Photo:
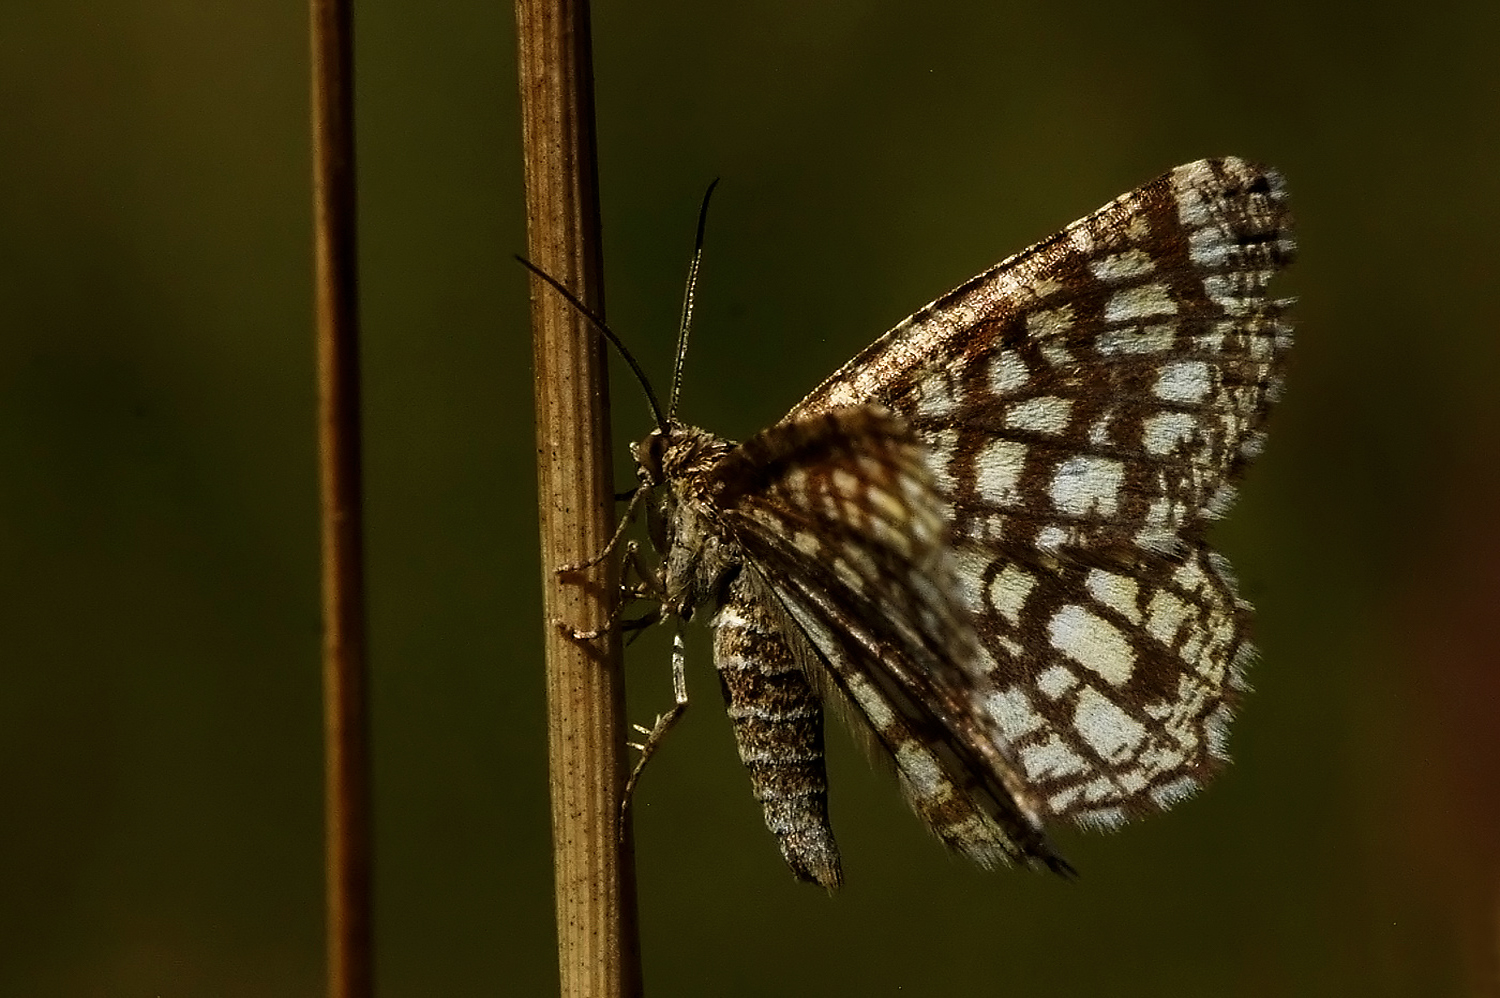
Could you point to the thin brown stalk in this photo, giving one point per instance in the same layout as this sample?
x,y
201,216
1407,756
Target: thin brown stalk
x,y
345,723
595,879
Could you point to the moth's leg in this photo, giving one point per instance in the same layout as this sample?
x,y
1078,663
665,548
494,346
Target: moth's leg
x,y
610,624
664,722
637,625
637,496
633,627
596,632
647,586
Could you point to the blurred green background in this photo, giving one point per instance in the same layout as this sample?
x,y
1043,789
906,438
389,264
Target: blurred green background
x,y
160,766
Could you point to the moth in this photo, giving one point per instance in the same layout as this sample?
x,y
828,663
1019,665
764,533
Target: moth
x,y
981,541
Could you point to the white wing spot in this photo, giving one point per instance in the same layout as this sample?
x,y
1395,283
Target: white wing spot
x,y
870,701
1056,353
1008,591
1208,665
1189,575
1050,759
1164,432
1081,239
1131,263
1192,206
1059,802
807,542
1096,790
998,471
1085,484
1140,303
1184,381
921,768
1208,247
940,459
1008,372
1056,680
1048,414
1165,616
982,666
1107,729
932,396
1051,538
1093,643
1132,781
1013,712
1120,593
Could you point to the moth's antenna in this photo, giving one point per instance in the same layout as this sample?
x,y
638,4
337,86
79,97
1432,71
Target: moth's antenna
x,y
687,301
609,334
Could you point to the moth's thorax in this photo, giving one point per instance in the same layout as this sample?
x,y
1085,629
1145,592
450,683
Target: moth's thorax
x,y
679,462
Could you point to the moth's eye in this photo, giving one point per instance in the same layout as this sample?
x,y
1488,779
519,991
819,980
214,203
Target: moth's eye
x,y
648,455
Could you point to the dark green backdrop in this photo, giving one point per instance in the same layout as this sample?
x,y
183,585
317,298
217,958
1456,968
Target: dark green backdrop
x,y
160,771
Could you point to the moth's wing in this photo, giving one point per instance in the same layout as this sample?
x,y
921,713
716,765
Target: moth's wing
x,y
778,725
838,518
1087,405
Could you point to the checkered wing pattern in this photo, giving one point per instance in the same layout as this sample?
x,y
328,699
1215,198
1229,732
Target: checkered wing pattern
x,y
840,523
1083,410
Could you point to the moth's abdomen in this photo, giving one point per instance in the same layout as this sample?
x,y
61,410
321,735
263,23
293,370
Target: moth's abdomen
x,y
778,724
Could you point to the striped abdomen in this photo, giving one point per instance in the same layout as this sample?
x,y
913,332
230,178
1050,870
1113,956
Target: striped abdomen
x,y
778,723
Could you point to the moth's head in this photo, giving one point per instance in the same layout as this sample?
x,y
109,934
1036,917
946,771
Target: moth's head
x,y
677,454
